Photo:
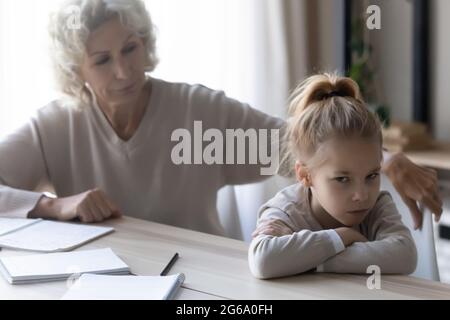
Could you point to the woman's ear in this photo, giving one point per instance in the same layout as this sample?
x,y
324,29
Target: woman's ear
x,y
302,174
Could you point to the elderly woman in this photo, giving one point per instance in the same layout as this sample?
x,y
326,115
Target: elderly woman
x,y
106,148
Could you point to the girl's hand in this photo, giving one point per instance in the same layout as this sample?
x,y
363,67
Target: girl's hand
x,y
272,227
90,206
414,184
350,236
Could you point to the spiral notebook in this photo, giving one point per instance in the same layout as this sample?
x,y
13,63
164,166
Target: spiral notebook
x,y
46,236
103,287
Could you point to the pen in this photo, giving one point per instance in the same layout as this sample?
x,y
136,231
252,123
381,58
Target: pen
x,y
169,265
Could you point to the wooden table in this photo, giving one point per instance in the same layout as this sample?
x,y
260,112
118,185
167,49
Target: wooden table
x,y
216,268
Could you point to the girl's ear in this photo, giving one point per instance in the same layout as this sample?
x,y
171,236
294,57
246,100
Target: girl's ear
x,y
302,174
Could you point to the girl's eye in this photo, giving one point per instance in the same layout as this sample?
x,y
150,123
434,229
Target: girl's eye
x,y
373,176
102,61
342,179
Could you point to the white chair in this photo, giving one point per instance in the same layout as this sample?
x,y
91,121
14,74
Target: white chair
x,y
427,267
238,205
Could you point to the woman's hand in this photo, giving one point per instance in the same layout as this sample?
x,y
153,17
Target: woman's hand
x,y
90,206
272,227
350,236
414,183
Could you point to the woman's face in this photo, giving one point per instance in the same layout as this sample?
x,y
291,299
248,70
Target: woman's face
x,y
114,64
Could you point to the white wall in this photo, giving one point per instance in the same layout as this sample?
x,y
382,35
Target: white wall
x,y
440,68
393,56
330,47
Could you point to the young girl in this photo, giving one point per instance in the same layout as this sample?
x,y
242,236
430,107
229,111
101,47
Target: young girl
x,y
338,219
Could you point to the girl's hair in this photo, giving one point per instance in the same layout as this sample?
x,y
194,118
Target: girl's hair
x,y
70,27
322,107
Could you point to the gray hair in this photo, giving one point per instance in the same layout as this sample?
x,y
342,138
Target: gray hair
x,y
70,27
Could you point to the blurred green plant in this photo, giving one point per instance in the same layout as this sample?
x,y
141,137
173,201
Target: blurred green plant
x,y
362,71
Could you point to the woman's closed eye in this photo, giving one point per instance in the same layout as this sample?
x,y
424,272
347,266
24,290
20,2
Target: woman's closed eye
x,y
102,60
129,48
105,59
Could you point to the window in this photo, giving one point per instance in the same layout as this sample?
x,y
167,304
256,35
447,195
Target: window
x,y
198,41
25,70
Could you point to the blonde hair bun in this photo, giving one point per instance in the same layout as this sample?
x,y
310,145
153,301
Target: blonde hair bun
x,y
326,106
321,87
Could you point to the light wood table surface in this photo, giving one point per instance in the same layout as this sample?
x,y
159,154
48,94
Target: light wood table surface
x,y
216,268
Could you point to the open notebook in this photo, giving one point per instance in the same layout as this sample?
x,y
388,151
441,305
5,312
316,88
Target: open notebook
x,y
46,236
101,287
60,266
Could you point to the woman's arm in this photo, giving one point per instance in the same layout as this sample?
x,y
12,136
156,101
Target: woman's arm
x,y
243,161
90,206
414,183
22,170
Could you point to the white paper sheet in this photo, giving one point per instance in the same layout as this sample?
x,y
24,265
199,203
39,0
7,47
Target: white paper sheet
x,y
8,225
59,266
100,287
51,236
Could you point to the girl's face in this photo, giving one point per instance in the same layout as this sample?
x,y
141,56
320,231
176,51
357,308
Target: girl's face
x,y
347,184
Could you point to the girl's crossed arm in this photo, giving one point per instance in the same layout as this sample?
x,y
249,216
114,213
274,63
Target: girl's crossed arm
x,y
390,245
298,252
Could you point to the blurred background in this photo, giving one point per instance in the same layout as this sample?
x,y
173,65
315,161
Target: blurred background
x,y
257,51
